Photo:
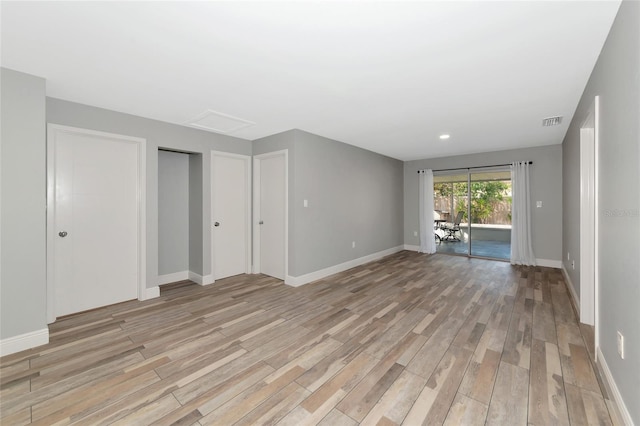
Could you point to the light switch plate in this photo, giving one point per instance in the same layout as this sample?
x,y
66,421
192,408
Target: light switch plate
x,y
306,203
620,344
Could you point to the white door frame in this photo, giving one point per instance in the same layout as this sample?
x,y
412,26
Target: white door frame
x,y
256,209
589,218
52,131
247,207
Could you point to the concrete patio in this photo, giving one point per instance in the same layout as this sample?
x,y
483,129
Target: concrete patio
x,y
493,241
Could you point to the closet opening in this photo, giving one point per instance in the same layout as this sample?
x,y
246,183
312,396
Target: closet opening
x,y
180,231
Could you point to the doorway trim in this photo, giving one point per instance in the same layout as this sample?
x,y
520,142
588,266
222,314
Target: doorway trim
x,y
589,218
52,131
256,208
247,207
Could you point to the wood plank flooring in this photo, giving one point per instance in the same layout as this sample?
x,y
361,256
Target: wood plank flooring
x,y
410,339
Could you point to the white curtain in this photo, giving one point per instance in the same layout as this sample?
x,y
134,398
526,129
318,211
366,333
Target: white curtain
x,y
521,245
427,237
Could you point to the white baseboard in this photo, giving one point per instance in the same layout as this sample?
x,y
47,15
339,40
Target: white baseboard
x,y
549,263
322,273
617,398
572,289
24,341
411,248
185,275
172,278
151,293
199,279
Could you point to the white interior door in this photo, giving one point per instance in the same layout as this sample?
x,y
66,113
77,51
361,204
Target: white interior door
x,y
230,209
94,223
271,220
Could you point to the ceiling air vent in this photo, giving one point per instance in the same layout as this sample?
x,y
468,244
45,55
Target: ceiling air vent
x,y
218,122
551,121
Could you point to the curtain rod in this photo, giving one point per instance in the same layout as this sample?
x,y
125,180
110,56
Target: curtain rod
x,y
477,167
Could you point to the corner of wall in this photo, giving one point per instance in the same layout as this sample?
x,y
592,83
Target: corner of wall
x,y
201,280
575,300
151,293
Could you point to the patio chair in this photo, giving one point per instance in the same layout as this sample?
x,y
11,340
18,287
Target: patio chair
x,y
451,230
437,225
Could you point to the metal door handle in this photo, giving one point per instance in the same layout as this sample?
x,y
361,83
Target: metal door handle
x,y
62,234
261,222
216,224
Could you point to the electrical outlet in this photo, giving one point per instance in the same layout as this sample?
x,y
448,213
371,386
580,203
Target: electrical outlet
x,y
415,233
353,244
620,345
573,264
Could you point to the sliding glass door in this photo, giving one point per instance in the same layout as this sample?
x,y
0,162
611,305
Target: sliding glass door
x,y
473,213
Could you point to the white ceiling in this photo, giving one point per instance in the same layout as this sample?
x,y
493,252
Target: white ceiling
x,y
385,76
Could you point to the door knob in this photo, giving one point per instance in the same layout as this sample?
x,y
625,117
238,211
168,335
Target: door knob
x,y
261,222
216,224
62,234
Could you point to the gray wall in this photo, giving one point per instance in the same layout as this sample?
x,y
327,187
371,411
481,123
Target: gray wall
x,y
616,79
546,186
23,215
158,135
353,194
173,212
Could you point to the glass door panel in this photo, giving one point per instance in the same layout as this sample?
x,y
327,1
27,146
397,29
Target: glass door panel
x,y
489,228
450,193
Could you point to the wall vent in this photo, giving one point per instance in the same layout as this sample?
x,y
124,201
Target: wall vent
x,y
551,121
218,122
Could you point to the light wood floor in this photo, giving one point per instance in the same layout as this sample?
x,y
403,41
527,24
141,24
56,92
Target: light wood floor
x,y
410,339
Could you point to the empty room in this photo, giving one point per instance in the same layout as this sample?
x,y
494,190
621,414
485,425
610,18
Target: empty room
x,y
320,213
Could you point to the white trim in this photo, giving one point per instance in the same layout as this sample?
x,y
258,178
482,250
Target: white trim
x,y
199,279
142,219
613,388
596,219
256,215
51,312
549,263
587,217
151,293
184,275
322,273
572,290
172,278
256,209
24,341
411,248
247,208
52,129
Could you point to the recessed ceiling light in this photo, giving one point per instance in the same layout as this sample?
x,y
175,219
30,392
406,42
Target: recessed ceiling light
x,y
445,136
